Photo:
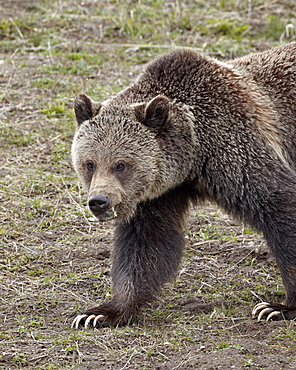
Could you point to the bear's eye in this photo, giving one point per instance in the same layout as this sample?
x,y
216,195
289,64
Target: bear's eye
x,y
119,167
90,166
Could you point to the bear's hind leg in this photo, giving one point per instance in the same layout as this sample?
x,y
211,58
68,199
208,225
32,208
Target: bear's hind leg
x,y
276,311
279,225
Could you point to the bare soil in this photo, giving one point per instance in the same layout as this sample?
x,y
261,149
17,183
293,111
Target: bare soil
x,y
55,259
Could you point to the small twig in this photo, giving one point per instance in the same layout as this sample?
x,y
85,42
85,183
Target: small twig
x,y
17,28
80,354
36,359
290,29
249,8
129,360
237,263
49,52
256,295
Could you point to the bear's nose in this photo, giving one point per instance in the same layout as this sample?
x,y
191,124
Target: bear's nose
x,y
99,203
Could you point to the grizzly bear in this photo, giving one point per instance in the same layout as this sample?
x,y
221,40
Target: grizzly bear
x,y
190,128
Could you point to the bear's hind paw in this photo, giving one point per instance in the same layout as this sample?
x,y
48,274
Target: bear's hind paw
x,y
265,310
270,311
87,320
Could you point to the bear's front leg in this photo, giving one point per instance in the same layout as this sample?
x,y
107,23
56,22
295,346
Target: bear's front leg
x,y
147,252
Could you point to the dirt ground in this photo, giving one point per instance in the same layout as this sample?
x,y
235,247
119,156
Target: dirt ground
x,y
55,258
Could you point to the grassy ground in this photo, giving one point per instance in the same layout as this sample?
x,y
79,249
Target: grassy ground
x,y
54,259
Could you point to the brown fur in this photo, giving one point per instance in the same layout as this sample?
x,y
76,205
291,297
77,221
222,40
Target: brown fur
x,y
190,128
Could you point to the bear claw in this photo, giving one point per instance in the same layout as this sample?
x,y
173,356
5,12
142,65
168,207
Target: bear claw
x,y
264,309
79,319
98,318
88,320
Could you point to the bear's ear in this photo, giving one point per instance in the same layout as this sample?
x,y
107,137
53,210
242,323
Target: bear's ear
x,y
85,108
155,113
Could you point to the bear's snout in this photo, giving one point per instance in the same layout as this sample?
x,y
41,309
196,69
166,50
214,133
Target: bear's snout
x,y
100,206
99,203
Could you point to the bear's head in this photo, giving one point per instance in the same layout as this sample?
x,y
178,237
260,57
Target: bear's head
x,y
125,154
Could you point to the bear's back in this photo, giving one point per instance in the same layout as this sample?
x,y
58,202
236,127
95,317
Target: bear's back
x,y
274,71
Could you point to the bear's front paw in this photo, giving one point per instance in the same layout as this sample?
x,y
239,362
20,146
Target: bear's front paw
x,y
88,320
101,316
270,311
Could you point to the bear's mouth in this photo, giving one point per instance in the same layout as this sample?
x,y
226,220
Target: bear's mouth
x,y
107,215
